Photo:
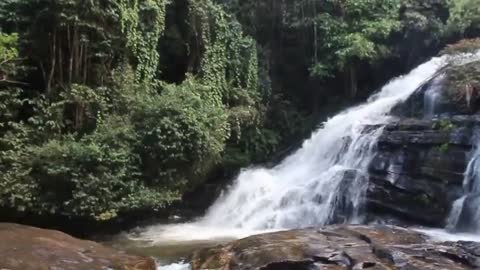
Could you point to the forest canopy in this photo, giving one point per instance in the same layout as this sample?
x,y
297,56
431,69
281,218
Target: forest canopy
x,y
114,106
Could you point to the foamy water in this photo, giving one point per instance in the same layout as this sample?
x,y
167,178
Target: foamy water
x,y
175,266
441,235
193,232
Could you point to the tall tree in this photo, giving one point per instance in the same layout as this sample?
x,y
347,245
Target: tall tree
x,y
352,31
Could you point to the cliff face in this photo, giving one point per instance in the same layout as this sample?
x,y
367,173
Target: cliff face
x,y
418,170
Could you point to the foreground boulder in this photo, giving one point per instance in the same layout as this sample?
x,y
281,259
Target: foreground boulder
x,y
338,248
23,247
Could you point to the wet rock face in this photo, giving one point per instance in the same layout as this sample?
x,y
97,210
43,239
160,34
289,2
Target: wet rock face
x,y
419,167
23,247
340,247
418,170
455,90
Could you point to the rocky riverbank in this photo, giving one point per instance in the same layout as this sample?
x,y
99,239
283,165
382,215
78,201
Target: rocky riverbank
x,y
340,247
30,248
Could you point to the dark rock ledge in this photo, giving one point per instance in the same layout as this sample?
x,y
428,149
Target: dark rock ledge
x,y
417,171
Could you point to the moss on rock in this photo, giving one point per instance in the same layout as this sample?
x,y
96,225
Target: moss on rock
x,y
462,87
463,46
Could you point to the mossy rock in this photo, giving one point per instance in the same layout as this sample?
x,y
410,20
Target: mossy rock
x,y
463,46
462,87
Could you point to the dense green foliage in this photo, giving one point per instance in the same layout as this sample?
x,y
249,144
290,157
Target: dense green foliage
x,y
102,134
114,106
463,14
353,36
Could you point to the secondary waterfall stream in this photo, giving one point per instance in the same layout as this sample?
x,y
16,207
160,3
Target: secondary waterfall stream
x,y
322,183
433,97
465,214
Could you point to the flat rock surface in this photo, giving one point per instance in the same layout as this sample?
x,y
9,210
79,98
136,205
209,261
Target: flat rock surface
x,y
340,248
29,248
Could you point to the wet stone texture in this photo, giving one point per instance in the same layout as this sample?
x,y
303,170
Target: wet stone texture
x,y
418,169
340,248
29,248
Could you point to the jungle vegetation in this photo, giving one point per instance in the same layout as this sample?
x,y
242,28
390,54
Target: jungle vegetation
x,y
108,107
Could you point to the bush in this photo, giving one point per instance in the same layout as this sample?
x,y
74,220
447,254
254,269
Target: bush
x,y
182,135
464,46
94,177
100,159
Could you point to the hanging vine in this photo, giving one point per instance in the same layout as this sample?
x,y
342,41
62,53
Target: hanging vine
x,y
143,23
229,63
229,58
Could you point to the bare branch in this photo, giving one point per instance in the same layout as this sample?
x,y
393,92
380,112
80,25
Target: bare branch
x,y
12,82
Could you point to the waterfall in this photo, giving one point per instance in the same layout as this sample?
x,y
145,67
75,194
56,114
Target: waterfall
x,y
465,214
433,97
324,182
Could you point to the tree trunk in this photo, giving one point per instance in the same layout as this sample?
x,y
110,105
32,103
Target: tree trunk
x,y
76,54
351,81
70,61
53,61
60,61
85,64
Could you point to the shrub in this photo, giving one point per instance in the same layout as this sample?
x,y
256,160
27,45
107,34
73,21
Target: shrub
x,y
181,134
464,46
93,177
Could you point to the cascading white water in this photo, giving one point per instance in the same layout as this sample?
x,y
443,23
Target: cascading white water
x,y
463,205
433,97
175,266
323,182
465,213
309,187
